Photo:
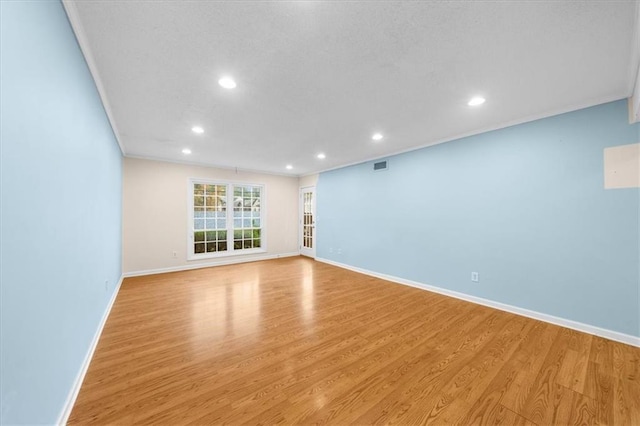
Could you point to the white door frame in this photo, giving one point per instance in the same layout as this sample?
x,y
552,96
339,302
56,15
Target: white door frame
x,y
310,240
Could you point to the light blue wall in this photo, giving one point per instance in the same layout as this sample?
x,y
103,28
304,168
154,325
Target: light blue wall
x,y
523,206
61,211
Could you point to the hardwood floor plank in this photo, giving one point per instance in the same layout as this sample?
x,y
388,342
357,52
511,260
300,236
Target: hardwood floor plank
x,y
584,410
626,386
293,341
484,400
415,376
387,349
573,372
530,356
464,383
544,390
500,415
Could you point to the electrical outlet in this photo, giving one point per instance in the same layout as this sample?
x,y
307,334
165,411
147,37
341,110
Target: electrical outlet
x,y
339,251
330,249
475,277
175,254
106,285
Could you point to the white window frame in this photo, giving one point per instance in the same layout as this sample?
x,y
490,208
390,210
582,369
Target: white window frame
x,y
191,255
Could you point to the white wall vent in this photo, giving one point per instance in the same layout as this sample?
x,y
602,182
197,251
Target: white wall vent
x,y
380,165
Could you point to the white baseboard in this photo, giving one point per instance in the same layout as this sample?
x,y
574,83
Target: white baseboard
x,y
219,262
77,384
574,325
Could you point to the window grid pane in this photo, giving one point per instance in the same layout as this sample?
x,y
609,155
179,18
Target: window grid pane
x,y
246,212
307,220
211,233
209,213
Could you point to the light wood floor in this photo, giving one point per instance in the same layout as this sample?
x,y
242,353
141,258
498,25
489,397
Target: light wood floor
x,y
300,342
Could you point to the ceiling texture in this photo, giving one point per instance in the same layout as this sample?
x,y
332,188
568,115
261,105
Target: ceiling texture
x,y
324,76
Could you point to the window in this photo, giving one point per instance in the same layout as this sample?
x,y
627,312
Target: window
x,y
225,219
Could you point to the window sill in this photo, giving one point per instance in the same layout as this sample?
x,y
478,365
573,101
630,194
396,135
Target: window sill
x,y
226,254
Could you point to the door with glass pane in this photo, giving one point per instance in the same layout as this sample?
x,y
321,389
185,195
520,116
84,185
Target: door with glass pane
x,y
308,221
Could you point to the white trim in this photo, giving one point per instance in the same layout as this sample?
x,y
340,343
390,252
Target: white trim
x,y
314,238
634,102
574,325
77,384
210,165
218,254
72,14
76,24
230,218
221,262
529,119
534,117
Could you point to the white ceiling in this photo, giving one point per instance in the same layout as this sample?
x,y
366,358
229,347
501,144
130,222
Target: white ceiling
x,y
323,76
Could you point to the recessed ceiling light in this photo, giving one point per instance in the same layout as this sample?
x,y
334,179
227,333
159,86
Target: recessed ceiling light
x,y
227,83
289,167
197,129
377,136
478,100
321,156
186,151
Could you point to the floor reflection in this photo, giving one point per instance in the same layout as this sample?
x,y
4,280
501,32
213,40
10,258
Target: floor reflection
x,y
209,315
245,315
232,309
307,304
